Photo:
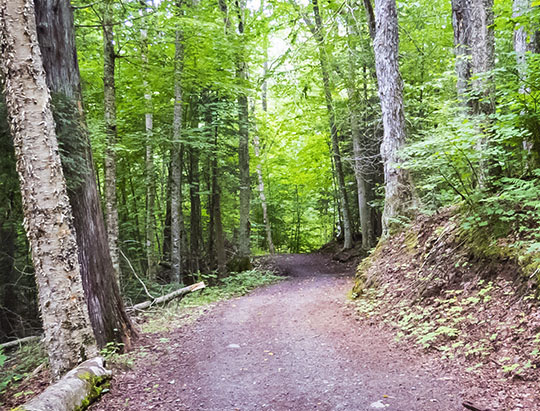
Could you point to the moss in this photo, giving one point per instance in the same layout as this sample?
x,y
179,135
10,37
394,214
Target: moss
x,y
361,281
97,385
411,240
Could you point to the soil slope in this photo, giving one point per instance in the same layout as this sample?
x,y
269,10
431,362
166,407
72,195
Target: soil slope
x,y
295,345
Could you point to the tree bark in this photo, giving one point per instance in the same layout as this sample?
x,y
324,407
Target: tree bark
x,y
400,199
257,150
177,218
462,24
48,217
483,59
524,41
344,202
109,90
56,37
364,209
216,241
194,196
75,390
151,255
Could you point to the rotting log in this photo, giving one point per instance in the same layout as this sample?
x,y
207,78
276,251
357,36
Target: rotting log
x,y
74,391
19,342
168,297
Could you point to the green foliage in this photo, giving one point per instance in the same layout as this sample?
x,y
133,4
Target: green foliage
x,y
236,284
19,364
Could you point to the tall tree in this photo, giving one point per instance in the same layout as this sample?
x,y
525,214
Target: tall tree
x,y
151,254
48,218
109,93
317,31
244,232
482,56
177,217
360,172
400,199
462,24
257,150
56,37
524,40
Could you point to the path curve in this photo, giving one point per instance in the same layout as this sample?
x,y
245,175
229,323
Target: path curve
x,y
292,346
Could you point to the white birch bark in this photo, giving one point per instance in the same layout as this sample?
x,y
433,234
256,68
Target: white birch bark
x,y
48,218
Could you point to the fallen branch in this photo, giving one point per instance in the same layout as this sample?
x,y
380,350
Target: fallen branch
x,y
473,407
20,341
136,276
168,297
76,390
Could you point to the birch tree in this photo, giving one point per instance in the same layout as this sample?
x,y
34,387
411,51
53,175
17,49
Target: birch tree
x,y
48,215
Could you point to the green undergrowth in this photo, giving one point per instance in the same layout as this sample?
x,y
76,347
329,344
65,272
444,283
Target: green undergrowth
x,y
456,293
16,366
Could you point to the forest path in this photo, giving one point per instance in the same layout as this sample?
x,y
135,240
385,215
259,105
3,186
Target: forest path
x,y
294,345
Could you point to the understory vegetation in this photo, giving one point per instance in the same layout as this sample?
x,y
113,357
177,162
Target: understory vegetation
x,y
23,371
473,302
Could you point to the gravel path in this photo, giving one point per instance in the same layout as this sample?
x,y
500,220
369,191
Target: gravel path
x,y
291,346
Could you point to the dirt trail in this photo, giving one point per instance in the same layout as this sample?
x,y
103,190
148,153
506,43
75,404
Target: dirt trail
x,y
291,346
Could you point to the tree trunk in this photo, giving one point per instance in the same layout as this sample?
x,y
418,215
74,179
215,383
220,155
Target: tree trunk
x,y
462,24
177,217
524,41
400,199
262,195
244,232
216,242
151,256
109,90
257,149
344,202
482,52
194,196
364,209
57,42
48,218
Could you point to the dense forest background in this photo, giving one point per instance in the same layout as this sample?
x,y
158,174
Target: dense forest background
x,y
241,128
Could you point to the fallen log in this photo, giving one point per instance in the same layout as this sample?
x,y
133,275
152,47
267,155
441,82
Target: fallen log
x,y
20,341
75,390
168,297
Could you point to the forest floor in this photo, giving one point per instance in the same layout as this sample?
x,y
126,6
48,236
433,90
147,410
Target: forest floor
x,y
295,345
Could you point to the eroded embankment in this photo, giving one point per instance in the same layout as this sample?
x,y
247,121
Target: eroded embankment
x,y
442,294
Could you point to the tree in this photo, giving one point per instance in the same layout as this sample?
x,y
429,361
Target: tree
x,y
524,41
177,218
244,231
151,255
482,56
48,218
359,146
400,199
462,24
109,97
317,31
56,37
